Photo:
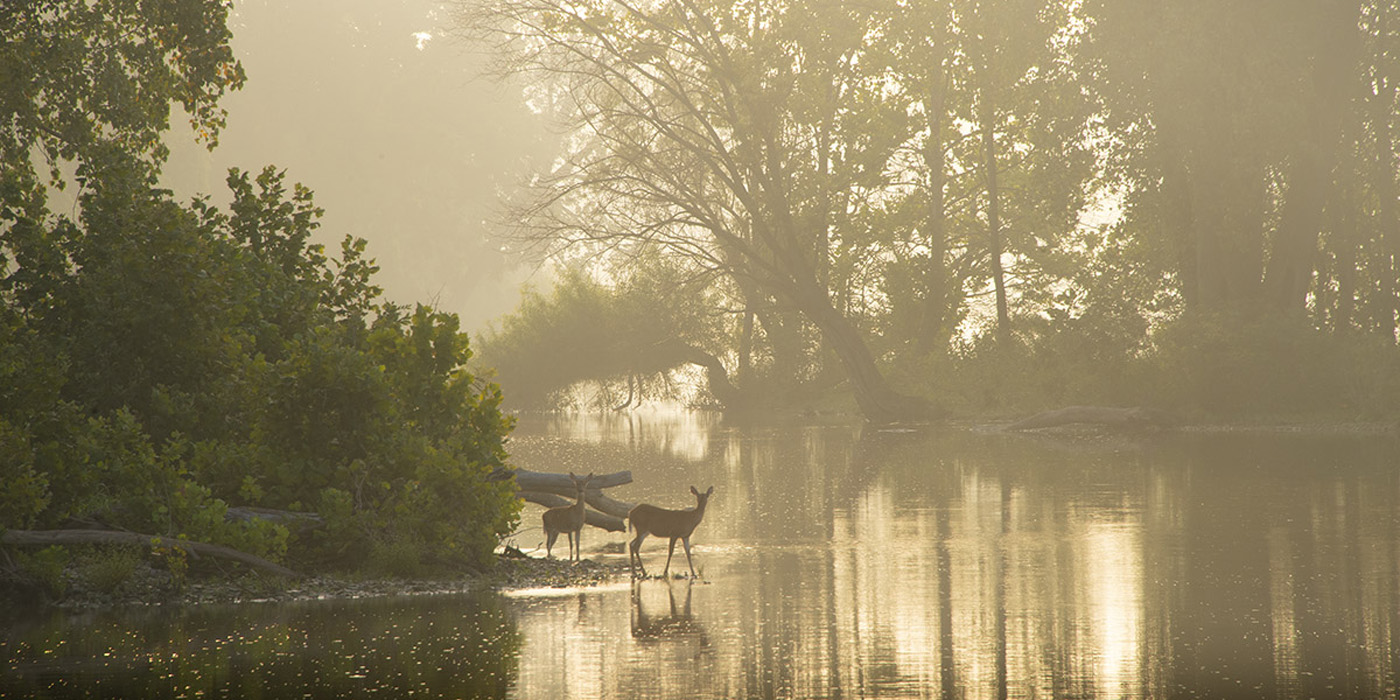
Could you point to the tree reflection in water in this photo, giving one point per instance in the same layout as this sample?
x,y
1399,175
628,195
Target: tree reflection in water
x,y
845,561
849,561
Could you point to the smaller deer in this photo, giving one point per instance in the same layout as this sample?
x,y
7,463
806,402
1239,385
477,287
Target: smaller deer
x,y
647,519
568,520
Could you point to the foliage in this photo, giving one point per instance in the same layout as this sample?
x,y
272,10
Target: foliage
x,y
82,76
583,330
858,180
214,358
161,361
41,571
1224,365
110,569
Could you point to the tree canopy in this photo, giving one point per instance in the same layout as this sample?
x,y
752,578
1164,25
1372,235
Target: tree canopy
x,y
161,362
908,190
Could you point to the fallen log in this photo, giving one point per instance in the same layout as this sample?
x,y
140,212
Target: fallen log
x,y
608,522
608,504
552,490
1136,417
550,482
45,538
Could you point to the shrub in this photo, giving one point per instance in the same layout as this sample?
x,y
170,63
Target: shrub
x,y
108,569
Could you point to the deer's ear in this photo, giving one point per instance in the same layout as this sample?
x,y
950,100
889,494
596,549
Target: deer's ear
x,y
710,491
692,490
572,475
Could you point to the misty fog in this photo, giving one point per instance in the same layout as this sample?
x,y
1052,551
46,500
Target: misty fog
x,y
981,349
390,121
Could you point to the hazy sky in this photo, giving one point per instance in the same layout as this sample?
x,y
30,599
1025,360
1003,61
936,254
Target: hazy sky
x,y
369,104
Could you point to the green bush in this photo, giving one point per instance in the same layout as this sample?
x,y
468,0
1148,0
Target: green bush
x,y
270,375
108,569
160,361
44,571
1220,365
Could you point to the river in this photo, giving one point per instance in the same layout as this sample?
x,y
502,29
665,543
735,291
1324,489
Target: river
x,y
841,560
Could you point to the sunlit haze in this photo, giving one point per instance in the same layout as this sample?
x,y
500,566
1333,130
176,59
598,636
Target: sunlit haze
x,y
392,125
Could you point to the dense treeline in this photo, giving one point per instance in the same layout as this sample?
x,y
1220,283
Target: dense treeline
x,y
163,361
999,206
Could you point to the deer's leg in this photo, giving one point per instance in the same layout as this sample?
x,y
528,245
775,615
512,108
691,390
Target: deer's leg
x,y
686,542
669,551
551,536
578,543
635,551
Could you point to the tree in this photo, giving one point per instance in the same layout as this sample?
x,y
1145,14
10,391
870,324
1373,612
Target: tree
x,y
641,328
1235,114
692,133
161,361
80,78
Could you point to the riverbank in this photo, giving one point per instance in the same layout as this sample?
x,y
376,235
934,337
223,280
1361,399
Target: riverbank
x,y
95,578
87,586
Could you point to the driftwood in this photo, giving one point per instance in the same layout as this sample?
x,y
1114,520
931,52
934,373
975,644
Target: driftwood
x,y
591,517
1136,417
550,482
550,490
44,538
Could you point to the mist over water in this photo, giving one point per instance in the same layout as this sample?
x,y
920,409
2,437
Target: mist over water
x,y
844,560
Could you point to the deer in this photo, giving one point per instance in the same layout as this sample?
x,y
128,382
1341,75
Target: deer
x,y
568,520
648,519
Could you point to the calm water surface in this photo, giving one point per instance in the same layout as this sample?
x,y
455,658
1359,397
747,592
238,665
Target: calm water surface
x,y
845,561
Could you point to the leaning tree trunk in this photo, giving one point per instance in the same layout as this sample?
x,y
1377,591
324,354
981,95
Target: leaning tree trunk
x,y
878,402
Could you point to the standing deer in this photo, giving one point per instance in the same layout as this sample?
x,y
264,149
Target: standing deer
x,y
647,519
568,520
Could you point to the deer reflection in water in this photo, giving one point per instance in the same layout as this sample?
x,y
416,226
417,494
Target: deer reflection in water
x,y
678,624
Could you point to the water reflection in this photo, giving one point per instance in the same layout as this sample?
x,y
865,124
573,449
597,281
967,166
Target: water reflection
x,y
433,646
844,561
841,561
676,623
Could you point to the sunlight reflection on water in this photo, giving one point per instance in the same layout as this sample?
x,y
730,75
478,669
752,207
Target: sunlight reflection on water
x,y
840,561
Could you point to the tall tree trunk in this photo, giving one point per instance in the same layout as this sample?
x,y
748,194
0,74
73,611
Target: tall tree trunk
x,y
1314,158
933,329
821,249
745,368
1292,260
1227,203
995,244
1344,239
878,402
1177,219
781,328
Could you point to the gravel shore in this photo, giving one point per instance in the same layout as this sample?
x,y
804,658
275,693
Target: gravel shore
x,y
149,586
